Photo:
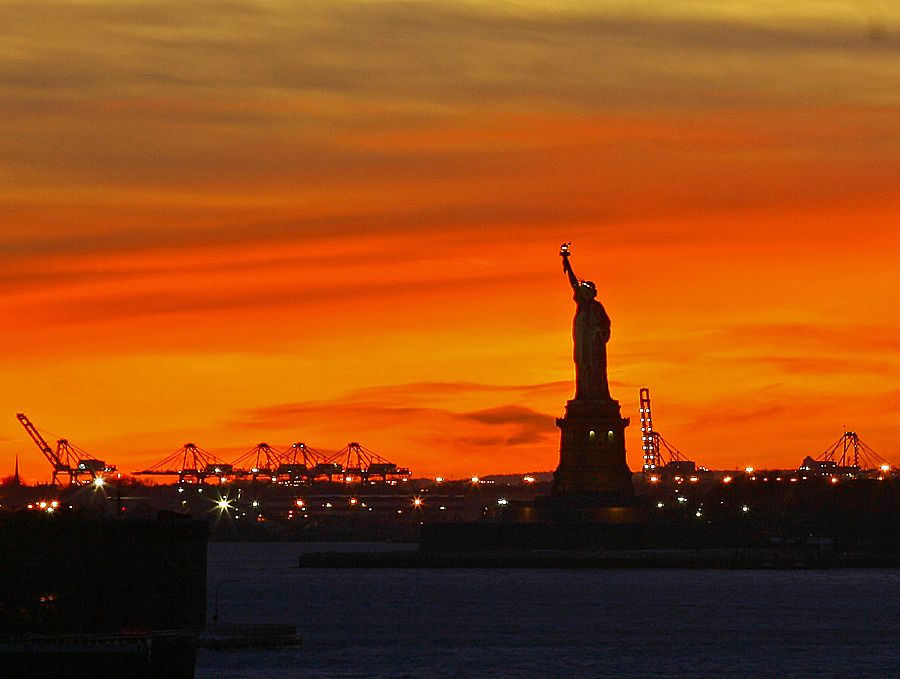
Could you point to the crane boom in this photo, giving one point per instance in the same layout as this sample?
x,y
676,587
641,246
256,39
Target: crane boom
x,y
649,438
58,465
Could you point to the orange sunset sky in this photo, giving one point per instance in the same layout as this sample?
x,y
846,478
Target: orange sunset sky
x,y
333,221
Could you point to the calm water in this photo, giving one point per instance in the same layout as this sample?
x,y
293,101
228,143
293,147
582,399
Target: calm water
x,y
461,623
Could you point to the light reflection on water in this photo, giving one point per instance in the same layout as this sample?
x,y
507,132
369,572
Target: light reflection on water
x,y
459,623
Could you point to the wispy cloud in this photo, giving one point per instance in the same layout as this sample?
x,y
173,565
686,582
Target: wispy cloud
x,y
442,434
161,93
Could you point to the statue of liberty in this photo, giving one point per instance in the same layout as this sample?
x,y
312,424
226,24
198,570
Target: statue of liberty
x,y
590,333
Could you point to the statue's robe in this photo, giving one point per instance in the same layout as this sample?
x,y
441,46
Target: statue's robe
x,y
590,332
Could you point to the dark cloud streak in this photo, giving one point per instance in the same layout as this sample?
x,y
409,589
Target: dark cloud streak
x,y
509,425
412,49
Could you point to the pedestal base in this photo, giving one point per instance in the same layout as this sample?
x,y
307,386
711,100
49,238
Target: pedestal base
x,y
592,471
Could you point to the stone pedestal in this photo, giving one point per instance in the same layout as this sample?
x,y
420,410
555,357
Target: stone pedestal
x,y
592,472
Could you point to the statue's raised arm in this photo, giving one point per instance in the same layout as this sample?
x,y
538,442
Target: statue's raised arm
x,y
567,268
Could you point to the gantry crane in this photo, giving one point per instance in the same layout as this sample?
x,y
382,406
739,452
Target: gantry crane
x,y
357,461
189,462
652,443
66,459
59,467
261,460
649,438
299,462
851,453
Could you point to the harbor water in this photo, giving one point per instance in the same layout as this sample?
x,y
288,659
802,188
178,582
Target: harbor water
x,y
572,623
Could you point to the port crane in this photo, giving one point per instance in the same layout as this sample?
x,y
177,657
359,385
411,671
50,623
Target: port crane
x,y
357,461
300,462
66,459
189,462
652,443
850,452
261,460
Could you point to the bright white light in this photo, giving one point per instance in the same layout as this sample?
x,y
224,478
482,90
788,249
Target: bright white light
x,y
223,504
99,481
749,470
528,479
417,502
682,499
439,479
502,501
475,479
745,508
885,467
727,479
660,505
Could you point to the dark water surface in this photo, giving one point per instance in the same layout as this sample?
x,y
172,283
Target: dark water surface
x,y
459,623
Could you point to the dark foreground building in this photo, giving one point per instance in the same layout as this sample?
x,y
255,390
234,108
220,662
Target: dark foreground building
x,y
87,597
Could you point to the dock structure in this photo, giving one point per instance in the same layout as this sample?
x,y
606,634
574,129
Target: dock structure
x,y
299,464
